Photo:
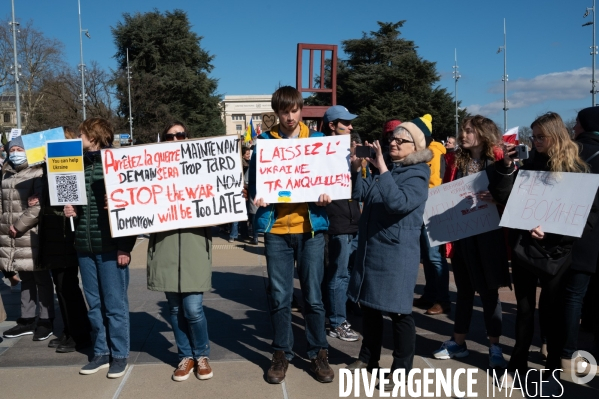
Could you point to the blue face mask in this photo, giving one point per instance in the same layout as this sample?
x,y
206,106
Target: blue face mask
x,y
17,158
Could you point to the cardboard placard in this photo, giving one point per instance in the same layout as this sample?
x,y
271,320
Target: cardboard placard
x,y
300,170
173,185
453,211
66,178
558,202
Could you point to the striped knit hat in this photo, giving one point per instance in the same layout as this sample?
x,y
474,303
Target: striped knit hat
x,y
418,128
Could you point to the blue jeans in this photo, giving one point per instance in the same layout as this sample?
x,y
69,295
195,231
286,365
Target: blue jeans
x,y
575,284
436,271
234,230
105,287
282,251
189,324
337,277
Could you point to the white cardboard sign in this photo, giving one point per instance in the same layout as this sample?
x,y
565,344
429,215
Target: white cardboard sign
x,y
300,170
174,185
453,211
558,202
66,176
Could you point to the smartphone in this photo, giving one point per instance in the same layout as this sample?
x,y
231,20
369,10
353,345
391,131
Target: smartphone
x,y
521,152
363,151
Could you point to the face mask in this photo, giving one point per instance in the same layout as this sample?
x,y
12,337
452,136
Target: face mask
x,y
17,157
3,154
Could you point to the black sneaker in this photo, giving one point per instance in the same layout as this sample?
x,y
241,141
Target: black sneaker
x,y
71,345
23,327
56,342
117,369
97,363
43,330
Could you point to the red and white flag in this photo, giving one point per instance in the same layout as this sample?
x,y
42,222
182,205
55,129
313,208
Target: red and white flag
x,y
511,136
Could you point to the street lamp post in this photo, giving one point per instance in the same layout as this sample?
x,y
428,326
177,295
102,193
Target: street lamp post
x,y
593,52
129,89
505,101
82,65
456,77
14,24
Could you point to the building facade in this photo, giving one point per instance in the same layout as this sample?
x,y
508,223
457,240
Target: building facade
x,y
239,110
8,113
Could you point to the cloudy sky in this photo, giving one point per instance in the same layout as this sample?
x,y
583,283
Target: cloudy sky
x,y
254,43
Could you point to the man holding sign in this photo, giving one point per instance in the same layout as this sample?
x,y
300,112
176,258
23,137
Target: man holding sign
x,y
293,232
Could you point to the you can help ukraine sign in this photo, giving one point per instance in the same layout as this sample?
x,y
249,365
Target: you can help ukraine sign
x,y
66,179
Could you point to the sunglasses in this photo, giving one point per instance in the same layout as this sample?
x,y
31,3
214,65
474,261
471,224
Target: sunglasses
x,y
399,141
178,135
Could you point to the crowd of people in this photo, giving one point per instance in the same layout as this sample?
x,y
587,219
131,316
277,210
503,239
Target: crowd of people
x,y
365,250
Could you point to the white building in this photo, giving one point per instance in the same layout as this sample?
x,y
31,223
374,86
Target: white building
x,y
238,110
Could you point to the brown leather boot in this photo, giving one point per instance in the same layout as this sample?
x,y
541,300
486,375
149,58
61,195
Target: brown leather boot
x,y
320,367
278,368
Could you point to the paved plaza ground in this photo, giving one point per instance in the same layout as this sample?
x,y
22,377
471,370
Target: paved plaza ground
x,y
240,334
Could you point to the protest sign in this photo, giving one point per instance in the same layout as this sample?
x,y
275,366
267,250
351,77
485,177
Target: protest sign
x,y
300,170
14,132
66,179
35,144
174,185
558,202
453,211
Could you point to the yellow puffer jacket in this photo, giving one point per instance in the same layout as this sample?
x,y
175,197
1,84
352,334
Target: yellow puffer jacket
x,y
437,164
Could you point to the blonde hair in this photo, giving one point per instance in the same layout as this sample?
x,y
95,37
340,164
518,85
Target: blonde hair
x,y
562,150
488,133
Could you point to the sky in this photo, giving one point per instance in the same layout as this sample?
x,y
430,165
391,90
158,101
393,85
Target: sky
x,y
254,43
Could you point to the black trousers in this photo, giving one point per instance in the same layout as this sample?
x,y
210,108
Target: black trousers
x,y
404,338
525,286
72,305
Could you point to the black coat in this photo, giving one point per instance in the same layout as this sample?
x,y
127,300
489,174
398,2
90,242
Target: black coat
x,y
501,188
586,251
344,216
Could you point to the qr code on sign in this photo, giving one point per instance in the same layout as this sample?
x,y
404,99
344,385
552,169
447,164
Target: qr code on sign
x,y
67,189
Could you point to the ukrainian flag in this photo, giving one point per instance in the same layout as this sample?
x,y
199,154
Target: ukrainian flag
x,y
65,156
35,144
250,133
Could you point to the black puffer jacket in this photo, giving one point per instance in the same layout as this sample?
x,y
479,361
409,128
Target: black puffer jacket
x,y
93,231
57,248
344,216
585,251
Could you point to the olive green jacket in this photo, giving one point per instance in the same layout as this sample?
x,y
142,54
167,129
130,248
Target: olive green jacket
x,y
180,260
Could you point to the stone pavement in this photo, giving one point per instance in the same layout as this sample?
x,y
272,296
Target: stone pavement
x,y
240,334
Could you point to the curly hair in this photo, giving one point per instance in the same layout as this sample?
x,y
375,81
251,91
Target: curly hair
x,y
562,150
488,134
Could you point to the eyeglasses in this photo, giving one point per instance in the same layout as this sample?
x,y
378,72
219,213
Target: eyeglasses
x,y
399,141
538,139
178,135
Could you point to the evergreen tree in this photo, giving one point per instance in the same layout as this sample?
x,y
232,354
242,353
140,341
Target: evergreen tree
x,y
169,75
384,78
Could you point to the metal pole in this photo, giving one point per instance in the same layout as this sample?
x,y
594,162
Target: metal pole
x,y
593,54
505,108
14,25
81,65
129,88
456,76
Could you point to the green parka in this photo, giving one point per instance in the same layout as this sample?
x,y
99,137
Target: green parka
x,y
93,231
180,260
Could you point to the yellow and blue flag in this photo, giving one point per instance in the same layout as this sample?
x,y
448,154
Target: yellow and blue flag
x,y
35,144
250,133
65,156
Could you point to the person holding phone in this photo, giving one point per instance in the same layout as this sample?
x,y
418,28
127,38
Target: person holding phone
x,y
388,255
103,260
555,152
